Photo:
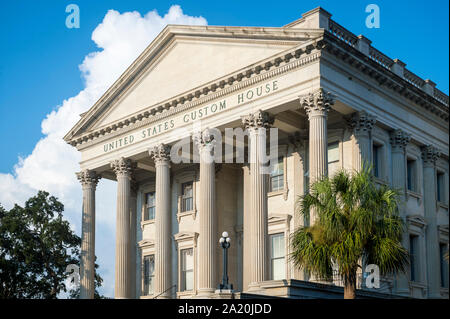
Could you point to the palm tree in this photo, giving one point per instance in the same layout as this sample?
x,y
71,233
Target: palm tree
x,y
356,220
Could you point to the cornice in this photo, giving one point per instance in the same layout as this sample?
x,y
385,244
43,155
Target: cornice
x,y
276,65
288,60
385,77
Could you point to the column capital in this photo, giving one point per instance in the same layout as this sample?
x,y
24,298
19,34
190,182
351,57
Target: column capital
x,y
361,122
88,178
430,155
123,167
317,103
259,119
204,139
399,140
160,153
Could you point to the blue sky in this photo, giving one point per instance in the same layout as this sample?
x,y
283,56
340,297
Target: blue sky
x,y
42,89
40,55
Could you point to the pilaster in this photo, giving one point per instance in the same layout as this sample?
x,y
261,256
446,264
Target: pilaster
x,y
399,140
429,156
317,104
361,123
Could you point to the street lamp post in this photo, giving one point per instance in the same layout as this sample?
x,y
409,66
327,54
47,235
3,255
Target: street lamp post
x,y
225,243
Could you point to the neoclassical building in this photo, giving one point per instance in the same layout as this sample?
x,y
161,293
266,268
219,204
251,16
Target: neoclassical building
x,y
335,100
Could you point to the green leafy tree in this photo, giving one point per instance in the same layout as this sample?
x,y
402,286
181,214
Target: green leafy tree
x,y
356,220
36,246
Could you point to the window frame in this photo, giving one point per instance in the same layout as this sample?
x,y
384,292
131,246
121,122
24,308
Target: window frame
x,y
183,271
414,268
146,207
186,240
143,290
280,223
282,175
413,179
440,186
186,176
143,191
271,258
184,197
380,139
443,278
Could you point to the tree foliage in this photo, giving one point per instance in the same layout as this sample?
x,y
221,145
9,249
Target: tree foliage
x,y
356,221
36,246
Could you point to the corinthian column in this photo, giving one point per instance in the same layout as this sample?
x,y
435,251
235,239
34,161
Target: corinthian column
x,y
256,124
399,140
163,265
429,156
207,242
89,180
317,104
123,169
361,123
133,208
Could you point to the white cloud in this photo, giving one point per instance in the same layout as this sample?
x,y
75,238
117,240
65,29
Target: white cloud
x,y
51,166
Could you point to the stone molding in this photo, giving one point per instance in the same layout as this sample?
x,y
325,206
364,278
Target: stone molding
x,y
257,120
399,139
317,103
88,178
160,153
123,167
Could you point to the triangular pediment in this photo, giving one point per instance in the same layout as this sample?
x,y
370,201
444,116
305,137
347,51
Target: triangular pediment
x,y
181,59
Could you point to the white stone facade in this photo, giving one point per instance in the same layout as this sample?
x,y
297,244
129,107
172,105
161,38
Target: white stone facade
x,y
336,101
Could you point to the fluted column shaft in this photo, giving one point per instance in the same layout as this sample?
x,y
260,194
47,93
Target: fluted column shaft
x,y
317,105
123,169
256,124
161,156
207,241
361,123
399,141
429,156
89,182
133,209
318,146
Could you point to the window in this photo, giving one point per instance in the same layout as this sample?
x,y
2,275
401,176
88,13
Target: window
x,y
149,275
413,255
440,187
376,160
411,174
444,265
187,269
277,176
333,152
150,202
186,197
277,260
